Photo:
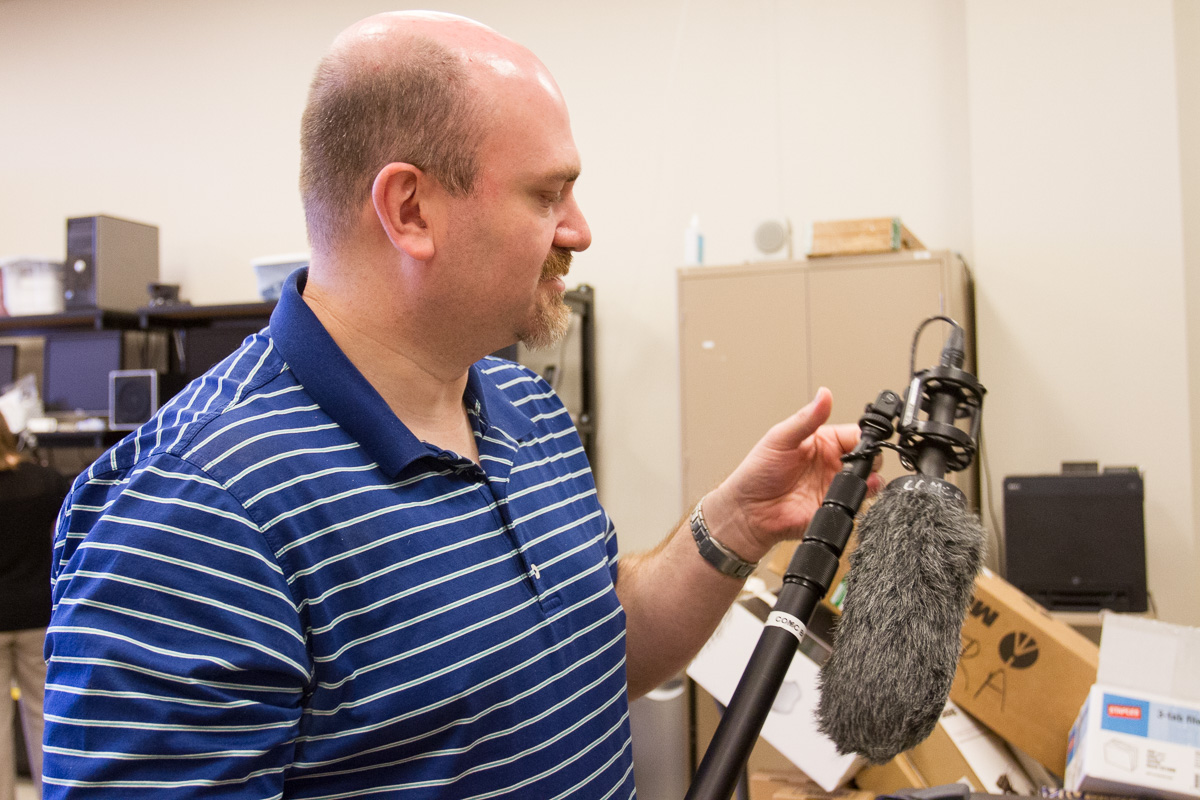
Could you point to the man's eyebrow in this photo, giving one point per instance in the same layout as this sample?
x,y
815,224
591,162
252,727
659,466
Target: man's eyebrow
x,y
569,175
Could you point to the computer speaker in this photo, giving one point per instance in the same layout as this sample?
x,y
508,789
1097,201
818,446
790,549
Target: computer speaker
x,y
132,397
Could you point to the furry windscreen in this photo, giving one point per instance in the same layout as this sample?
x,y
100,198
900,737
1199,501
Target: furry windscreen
x,y
897,644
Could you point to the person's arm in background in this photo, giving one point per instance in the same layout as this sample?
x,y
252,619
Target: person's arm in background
x,y
673,598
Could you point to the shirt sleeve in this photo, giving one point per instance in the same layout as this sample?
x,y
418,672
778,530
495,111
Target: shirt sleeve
x,y
610,548
177,663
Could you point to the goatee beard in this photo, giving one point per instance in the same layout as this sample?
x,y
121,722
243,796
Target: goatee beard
x,y
551,316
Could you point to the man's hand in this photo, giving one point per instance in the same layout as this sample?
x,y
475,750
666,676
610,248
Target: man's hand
x,y
774,492
673,598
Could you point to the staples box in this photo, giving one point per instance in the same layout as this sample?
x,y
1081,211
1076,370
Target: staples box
x,y
1023,674
1135,743
1138,733
791,725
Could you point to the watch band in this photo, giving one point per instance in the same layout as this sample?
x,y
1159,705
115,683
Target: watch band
x,y
724,560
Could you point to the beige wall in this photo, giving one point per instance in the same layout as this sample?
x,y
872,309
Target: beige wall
x,y
1078,255
1039,140
1187,55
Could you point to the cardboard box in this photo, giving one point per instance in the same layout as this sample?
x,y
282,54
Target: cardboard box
x,y
791,725
1131,738
764,784
1151,656
795,786
793,793
1023,674
1045,780
959,750
859,236
893,777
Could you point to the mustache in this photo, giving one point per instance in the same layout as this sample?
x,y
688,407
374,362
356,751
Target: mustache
x,y
557,263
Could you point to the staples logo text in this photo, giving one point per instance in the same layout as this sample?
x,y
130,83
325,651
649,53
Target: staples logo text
x,y
1124,712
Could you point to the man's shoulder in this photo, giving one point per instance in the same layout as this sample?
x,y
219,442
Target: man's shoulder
x,y
245,424
500,371
530,395
246,395
518,383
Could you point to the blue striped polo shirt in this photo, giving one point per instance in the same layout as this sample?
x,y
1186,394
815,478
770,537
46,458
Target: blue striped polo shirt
x,y
273,589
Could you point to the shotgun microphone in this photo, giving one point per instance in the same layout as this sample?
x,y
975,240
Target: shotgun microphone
x,y
897,644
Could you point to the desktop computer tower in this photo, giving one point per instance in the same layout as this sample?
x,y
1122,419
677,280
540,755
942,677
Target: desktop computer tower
x,y
110,263
1076,542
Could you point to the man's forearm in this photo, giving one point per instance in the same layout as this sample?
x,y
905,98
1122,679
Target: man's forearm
x,y
673,601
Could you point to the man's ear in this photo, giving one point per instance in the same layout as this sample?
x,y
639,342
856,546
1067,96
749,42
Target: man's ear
x,y
398,193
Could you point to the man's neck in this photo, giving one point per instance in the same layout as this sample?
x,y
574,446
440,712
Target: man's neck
x,y
423,389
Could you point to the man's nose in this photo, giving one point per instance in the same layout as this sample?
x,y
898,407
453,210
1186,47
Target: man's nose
x,y
573,232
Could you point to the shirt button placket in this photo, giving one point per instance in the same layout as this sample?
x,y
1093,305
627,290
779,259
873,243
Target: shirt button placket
x,y
504,514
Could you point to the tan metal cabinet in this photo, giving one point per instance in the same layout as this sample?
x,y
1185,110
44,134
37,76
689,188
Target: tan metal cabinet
x,y
756,341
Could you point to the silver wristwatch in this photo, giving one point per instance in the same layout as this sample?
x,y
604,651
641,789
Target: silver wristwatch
x,y
721,557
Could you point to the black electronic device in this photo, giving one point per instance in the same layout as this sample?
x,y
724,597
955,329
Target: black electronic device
x,y
8,364
75,371
1076,541
110,263
133,397
204,347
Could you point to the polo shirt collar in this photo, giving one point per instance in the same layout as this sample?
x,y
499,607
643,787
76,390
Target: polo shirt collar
x,y
352,402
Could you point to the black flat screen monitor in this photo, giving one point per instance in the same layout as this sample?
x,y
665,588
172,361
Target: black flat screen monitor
x,y
205,347
1077,542
75,371
8,364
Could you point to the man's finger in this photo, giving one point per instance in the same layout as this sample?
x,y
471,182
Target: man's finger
x,y
789,434
846,435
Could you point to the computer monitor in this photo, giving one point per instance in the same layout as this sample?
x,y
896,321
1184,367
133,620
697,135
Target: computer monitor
x,y
206,347
8,364
75,371
1076,542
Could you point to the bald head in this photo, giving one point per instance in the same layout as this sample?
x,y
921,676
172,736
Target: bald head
x,y
487,55
409,87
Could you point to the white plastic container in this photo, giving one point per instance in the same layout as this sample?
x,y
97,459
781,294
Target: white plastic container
x,y
693,243
271,271
32,285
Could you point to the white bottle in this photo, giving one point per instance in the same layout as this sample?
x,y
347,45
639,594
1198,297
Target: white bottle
x,y
693,243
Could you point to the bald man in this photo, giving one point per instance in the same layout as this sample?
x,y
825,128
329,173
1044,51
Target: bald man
x,y
361,558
